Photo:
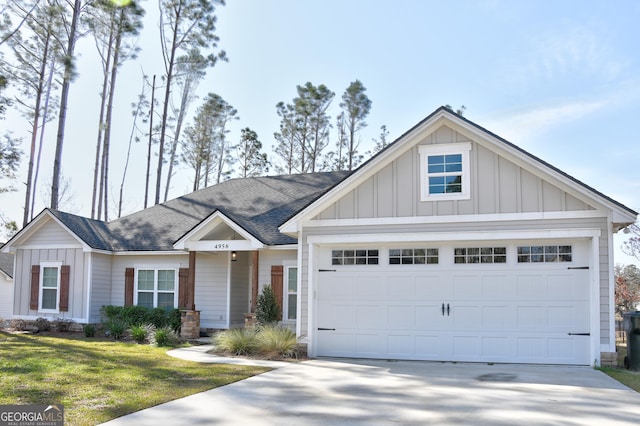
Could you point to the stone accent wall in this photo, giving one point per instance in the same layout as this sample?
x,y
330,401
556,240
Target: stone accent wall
x,y
190,324
608,359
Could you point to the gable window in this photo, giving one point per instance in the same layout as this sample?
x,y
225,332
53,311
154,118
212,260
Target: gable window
x,y
354,257
544,254
417,256
156,288
49,287
291,293
444,171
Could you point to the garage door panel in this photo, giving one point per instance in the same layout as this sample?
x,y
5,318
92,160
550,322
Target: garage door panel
x,y
498,287
466,287
401,317
370,287
369,316
401,287
337,315
497,313
429,317
432,287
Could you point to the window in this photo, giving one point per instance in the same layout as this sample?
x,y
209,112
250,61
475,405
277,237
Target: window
x,y
49,287
156,288
544,254
418,256
444,171
480,255
354,257
291,293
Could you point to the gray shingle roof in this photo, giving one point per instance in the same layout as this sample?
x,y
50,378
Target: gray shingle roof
x,y
6,263
259,205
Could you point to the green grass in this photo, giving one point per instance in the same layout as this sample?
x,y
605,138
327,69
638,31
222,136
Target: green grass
x,y
98,380
621,374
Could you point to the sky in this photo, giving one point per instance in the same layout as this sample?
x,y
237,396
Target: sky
x,y
559,79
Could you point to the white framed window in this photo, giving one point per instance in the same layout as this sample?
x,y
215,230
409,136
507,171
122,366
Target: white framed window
x,y
444,171
49,298
545,254
156,287
290,292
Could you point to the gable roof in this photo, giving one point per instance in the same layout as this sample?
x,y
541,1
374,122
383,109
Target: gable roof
x,y
257,204
622,213
6,264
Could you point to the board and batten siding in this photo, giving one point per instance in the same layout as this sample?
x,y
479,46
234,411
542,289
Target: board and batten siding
x,y
51,234
498,186
78,262
100,285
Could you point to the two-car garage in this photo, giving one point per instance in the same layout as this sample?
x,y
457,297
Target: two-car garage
x,y
520,301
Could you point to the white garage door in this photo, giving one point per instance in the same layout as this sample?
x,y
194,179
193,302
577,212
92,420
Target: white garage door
x,y
460,302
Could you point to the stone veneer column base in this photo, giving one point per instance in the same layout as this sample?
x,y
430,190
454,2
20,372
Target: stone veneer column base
x,y
190,324
608,359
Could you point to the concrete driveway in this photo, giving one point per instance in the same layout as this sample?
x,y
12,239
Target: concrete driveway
x,y
332,391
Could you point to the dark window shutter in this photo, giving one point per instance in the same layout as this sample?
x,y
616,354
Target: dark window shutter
x,y
183,289
35,287
65,272
129,274
277,272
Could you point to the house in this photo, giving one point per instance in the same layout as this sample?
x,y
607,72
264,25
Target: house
x,y
6,286
451,244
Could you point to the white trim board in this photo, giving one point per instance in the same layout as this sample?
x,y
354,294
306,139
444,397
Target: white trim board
x,y
537,234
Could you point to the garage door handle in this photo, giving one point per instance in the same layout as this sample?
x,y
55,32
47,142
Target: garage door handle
x,y
326,329
579,334
448,309
443,309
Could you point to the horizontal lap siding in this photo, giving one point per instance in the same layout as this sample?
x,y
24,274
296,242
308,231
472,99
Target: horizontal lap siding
x,y
100,285
52,234
120,263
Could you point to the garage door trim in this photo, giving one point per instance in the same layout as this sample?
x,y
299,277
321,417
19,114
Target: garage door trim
x,y
316,241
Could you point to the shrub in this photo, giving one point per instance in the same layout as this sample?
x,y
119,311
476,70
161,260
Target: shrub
x,y
42,324
63,324
139,315
19,325
139,333
277,341
89,330
239,341
115,329
267,309
164,336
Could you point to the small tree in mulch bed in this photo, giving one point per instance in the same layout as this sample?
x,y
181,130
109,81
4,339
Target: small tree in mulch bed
x,y
267,309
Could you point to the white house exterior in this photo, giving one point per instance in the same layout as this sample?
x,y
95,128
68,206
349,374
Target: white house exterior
x,y
451,244
6,286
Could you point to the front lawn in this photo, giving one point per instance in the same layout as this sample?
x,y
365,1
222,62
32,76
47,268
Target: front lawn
x,y
621,374
97,380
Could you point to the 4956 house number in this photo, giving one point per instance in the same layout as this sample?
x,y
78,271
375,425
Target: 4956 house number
x,y
221,246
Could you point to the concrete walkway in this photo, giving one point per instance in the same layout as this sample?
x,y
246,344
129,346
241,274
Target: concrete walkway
x,y
335,392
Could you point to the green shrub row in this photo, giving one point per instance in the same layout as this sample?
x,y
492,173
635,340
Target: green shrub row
x,y
271,341
139,315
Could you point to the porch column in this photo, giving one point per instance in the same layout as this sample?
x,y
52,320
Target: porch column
x,y
254,279
191,281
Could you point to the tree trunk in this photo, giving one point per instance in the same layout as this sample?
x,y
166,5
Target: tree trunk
x,y
34,132
98,167
107,130
146,187
64,98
